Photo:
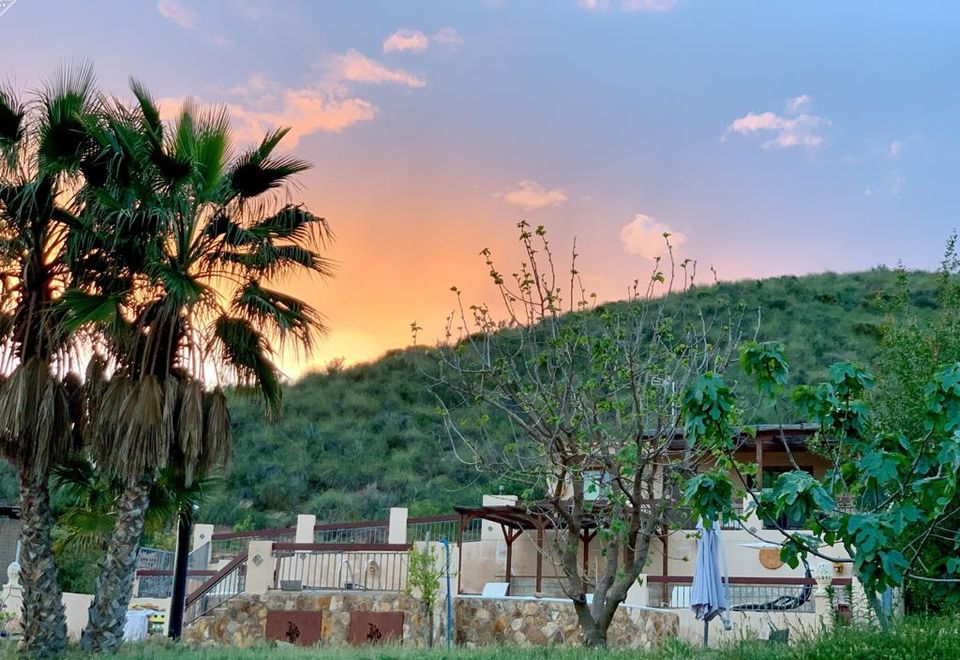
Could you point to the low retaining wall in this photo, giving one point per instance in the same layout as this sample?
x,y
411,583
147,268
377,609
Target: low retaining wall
x,y
523,622
242,621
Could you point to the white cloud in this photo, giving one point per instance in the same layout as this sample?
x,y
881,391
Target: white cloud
x,y
645,236
354,66
891,187
176,12
797,103
794,128
448,37
403,39
530,195
415,41
647,5
896,147
629,6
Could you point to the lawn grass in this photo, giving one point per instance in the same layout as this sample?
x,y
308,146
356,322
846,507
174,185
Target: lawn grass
x,y
916,637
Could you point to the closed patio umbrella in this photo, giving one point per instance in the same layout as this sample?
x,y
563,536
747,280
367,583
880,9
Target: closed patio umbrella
x,y
708,596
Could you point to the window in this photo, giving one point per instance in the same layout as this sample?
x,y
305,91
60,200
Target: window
x,y
596,485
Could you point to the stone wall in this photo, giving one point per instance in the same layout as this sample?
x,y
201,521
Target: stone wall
x,y
242,620
486,621
479,621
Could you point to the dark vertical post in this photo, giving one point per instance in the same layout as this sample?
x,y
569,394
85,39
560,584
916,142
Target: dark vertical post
x,y
180,566
585,537
508,538
665,566
539,589
460,555
759,480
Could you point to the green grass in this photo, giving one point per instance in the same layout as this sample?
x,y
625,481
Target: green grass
x,y
915,637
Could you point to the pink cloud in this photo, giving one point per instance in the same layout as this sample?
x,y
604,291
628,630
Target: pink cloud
x,y
406,40
448,37
176,12
530,195
785,131
645,236
415,41
354,66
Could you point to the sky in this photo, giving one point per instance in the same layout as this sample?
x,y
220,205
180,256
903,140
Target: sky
x,y
767,137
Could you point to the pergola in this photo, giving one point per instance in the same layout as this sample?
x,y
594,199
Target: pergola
x,y
514,520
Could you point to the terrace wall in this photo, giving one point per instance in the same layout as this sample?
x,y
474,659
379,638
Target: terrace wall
x,y
479,621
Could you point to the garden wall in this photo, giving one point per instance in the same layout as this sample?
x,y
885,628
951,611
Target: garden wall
x,y
333,619
515,621
242,621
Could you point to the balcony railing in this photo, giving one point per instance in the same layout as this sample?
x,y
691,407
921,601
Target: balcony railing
x,y
226,584
754,594
330,566
226,545
437,528
368,531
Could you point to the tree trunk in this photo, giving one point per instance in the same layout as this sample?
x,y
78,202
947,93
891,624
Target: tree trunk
x,y
44,618
430,628
108,612
592,635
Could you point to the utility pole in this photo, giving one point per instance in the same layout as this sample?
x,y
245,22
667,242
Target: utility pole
x,y
180,565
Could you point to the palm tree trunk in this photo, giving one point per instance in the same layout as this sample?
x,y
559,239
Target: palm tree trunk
x,y
108,611
44,618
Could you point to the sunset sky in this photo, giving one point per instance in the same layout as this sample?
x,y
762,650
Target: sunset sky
x,y
769,137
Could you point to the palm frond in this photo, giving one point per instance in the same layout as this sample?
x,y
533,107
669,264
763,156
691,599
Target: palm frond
x,y
81,309
294,222
68,102
277,313
256,171
149,111
12,112
247,352
35,424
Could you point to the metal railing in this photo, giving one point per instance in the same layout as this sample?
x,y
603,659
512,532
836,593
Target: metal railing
x,y
158,583
370,531
346,566
745,594
227,583
155,571
442,527
226,545
154,559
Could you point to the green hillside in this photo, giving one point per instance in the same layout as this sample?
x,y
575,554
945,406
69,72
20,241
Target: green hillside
x,y
354,442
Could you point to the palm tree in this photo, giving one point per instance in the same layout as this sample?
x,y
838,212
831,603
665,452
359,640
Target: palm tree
x,y
42,149
187,241
88,512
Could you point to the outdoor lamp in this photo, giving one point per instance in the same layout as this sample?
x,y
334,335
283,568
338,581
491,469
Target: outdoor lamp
x,y
823,574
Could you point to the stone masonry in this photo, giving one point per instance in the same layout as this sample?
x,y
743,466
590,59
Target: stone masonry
x,y
484,622
479,622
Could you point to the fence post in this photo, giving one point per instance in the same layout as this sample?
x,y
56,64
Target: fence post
x,y
261,567
305,525
397,532
202,534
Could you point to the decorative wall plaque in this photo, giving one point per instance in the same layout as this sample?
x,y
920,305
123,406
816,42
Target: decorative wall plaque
x,y
375,627
299,627
770,558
